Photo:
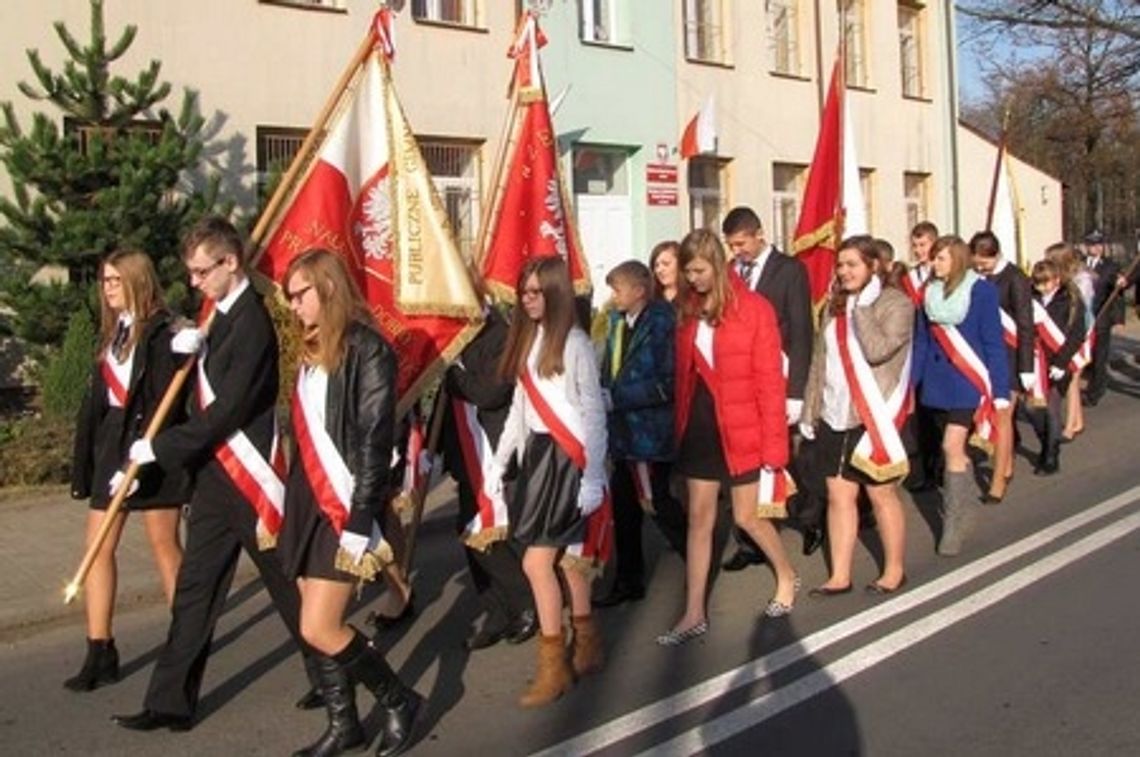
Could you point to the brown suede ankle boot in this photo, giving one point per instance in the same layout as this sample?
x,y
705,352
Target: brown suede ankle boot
x,y
589,654
554,677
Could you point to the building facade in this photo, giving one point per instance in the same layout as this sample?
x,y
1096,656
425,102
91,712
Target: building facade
x,y
627,75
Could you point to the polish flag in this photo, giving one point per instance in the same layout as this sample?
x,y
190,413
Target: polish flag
x,y
531,214
366,195
700,133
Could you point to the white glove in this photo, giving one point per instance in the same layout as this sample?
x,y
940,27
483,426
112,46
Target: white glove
x,y
589,498
794,410
187,342
1028,381
1055,373
807,431
141,452
1001,403
117,480
354,544
608,400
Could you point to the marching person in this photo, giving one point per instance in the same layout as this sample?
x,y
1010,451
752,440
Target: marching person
x,y
479,398
922,427
1106,278
230,445
343,415
782,280
637,386
1015,299
1073,272
1060,318
556,430
133,367
731,421
961,374
854,406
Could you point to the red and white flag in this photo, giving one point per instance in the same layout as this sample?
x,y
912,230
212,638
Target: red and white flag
x,y
366,195
699,137
531,215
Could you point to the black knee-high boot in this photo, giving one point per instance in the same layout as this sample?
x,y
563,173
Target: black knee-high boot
x,y
344,732
311,699
366,664
101,666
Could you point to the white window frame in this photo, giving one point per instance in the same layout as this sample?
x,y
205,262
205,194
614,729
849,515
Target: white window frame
x,y
435,11
867,187
911,50
784,36
705,31
786,197
858,69
465,214
916,197
701,196
589,13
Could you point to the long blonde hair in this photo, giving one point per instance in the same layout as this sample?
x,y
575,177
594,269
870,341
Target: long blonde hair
x,y
341,305
557,319
702,244
142,296
959,260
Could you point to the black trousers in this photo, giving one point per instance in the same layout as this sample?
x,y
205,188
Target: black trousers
x,y
1098,370
670,518
219,528
497,573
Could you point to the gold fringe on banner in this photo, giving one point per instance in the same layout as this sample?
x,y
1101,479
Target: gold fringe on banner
x,y
483,540
266,540
980,442
589,567
368,565
880,472
772,511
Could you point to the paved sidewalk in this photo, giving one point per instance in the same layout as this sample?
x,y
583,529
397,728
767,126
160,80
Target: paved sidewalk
x,y
41,544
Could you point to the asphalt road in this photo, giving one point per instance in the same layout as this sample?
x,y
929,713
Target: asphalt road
x,y
1022,645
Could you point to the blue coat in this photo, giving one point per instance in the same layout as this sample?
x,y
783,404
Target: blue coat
x,y
641,422
940,384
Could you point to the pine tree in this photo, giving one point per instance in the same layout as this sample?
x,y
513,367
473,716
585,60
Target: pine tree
x,y
115,176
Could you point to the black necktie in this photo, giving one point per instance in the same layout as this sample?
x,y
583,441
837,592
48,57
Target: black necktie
x,y
119,343
745,268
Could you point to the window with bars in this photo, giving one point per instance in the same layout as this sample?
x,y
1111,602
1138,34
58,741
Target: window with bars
x,y
455,169
911,50
276,148
458,12
704,30
84,133
916,195
784,36
708,192
855,31
787,189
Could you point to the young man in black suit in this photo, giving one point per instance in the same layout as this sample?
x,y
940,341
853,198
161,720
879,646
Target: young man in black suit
x,y
1106,278
232,420
783,281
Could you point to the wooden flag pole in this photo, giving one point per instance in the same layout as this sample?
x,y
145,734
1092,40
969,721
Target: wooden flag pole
x,y
419,496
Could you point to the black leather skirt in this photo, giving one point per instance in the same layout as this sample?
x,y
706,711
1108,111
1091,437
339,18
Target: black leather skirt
x,y
546,496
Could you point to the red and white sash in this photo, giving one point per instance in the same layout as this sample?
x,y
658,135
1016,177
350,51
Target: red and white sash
x,y
775,485
880,452
914,286
1008,329
967,362
548,397
259,481
417,462
329,478
117,377
491,522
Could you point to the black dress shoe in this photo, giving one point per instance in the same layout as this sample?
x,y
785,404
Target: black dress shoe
x,y
149,720
484,638
742,560
813,539
522,628
619,594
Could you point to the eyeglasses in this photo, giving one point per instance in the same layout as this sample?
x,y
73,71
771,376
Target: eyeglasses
x,y
532,292
111,281
201,273
295,296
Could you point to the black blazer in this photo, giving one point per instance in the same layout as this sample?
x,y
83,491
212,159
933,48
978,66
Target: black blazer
x,y
784,282
153,367
241,364
1015,297
1067,311
1104,281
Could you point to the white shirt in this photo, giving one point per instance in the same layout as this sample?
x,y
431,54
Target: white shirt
x,y
835,402
228,301
704,341
758,263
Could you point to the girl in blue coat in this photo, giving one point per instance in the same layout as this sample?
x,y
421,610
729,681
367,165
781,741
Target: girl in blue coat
x,y
961,373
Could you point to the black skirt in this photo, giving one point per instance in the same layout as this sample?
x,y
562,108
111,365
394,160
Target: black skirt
x,y
158,489
833,449
700,454
307,543
546,495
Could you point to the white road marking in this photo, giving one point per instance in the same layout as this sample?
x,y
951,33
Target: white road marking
x,y
764,707
652,714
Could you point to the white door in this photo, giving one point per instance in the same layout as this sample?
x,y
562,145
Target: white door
x,y
605,226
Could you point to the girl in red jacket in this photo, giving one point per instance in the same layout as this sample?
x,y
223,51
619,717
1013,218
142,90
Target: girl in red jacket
x,y
730,419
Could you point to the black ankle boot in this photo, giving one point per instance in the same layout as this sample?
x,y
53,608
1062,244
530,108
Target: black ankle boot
x,y
344,732
399,702
100,667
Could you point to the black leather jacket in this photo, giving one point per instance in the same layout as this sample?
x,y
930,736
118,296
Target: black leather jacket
x,y
360,416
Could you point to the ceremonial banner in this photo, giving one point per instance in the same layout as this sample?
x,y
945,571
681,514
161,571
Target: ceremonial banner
x,y
365,194
530,213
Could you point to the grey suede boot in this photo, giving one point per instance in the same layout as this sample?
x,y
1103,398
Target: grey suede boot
x,y
958,493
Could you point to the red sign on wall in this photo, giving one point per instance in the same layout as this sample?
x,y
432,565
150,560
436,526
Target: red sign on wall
x,y
660,173
659,196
